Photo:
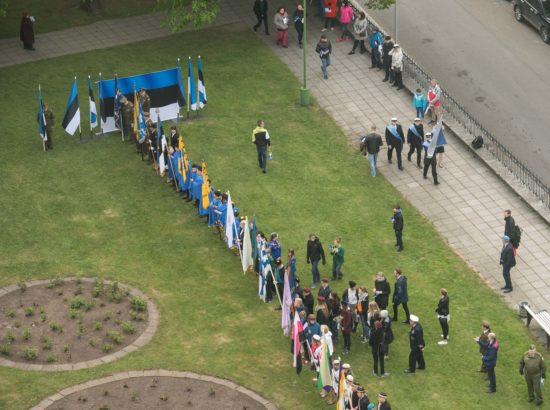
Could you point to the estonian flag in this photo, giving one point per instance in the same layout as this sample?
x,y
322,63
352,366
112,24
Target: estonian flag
x,y
71,120
117,106
192,92
91,100
201,86
41,117
142,126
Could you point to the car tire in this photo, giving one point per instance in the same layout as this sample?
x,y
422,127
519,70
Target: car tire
x,y
545,34
518,13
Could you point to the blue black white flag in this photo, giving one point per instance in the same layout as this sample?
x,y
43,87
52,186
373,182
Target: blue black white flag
x,y
191,91
200,85
41,117
71,120
142,126
117,106
93,109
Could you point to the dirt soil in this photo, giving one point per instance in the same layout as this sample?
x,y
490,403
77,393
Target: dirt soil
x,y
89,335
163,393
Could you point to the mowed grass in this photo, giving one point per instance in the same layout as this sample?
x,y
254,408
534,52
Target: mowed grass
x,y
95,209
55,15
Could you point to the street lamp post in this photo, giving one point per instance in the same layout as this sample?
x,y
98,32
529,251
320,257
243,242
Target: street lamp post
x,y
396,21
304,91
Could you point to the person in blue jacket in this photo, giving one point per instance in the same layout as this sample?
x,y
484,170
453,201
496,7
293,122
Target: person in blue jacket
x,y
490,359
375,41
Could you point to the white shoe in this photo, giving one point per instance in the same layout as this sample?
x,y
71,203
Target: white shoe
x,y
448,337
324,29
442,342
385,375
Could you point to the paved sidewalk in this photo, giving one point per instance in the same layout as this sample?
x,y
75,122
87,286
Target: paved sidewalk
x,y
466,208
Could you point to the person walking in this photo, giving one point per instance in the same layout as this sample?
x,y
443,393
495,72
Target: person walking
x,y
26,31
429,161
375,43
360,33
416,341
415,138
382,291
508,261
532,366
400,295
398,224
509,223
315,253
337,251
443,315
331,12
397,66
281,24
373,142
394,140
490,359
260,10
346,17
298,18
260,137
324,48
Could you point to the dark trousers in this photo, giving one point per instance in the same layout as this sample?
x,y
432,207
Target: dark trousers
x,y
492,377
398,150
416,356
405,308
378,355
337,270
49,141
315,271
374,58
259,23
300,31
533,386
361,43
347,341
444,326
415,147
330,20
506,276
262,156
430,162
398,75
399,239
269,288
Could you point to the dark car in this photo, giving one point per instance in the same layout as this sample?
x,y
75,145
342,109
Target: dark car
x,y
537,13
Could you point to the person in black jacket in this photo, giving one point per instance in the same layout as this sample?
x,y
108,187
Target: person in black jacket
x,y
509,223
376,342
260,10
382,291
416,340
508,261
415,138
315,253
372,143
308,301
298,18
443,315
398,223
387,46
395,139
400,295
383,403
260,137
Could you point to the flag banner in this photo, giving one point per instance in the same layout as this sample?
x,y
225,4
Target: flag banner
x,y
247,248
324,380
165,88
253,239
191,91
435,135
229,222
117,107
200,85
41,117
287,304
93,109
142,126
162,145
136,115
205,193
71,120
297,338
265,267
342,391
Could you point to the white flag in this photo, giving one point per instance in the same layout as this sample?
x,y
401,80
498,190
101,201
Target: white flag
x,y
247,248
229,222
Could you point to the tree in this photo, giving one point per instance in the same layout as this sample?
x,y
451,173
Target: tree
x,y
179,13
379,4
3,7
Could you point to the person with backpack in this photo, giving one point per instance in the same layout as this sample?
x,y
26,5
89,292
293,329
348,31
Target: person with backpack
x,y
512,230
508,261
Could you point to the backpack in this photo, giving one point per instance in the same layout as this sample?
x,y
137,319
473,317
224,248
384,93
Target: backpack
x,y
363,144
477,142
515,238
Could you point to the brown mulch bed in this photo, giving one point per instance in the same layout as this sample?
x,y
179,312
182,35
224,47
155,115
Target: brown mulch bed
x,y
163,393
68,321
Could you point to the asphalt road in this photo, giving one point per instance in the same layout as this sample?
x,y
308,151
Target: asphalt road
x,y
497,68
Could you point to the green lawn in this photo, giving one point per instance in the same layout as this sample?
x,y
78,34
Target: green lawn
x,y
96,209
55,15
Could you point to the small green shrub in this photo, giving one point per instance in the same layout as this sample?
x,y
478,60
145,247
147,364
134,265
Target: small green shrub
x,y
79,289
138,304
51,358
73,313
98,325
29,311
9,337
92,342
22,286
11,313
55,282
27,333
128,327
67,348
56,326
17,324
46,342
107,316
103,406
106,348
29,353
115,336
5,349
77,302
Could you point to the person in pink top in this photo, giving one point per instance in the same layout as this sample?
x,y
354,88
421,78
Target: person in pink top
x,y
434,100
346,17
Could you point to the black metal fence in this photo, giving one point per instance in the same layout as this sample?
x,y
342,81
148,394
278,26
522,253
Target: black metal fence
x,y
472,126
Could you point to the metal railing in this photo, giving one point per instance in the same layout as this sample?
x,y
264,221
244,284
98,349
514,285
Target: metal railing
x,y
472,126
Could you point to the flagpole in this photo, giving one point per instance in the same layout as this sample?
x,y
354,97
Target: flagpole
x,y
198,98
99,84
40,119
188,89
79,126
120,113
178,116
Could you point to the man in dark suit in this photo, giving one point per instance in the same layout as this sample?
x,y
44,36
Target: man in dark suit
x,y
397,220
416,339
415,138
260,9
400,295
395,139
508,261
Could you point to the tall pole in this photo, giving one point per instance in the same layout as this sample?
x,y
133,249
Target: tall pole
x,y
396,21
304,91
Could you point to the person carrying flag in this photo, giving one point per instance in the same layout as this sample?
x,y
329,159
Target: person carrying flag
x,y
50,122
429,161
